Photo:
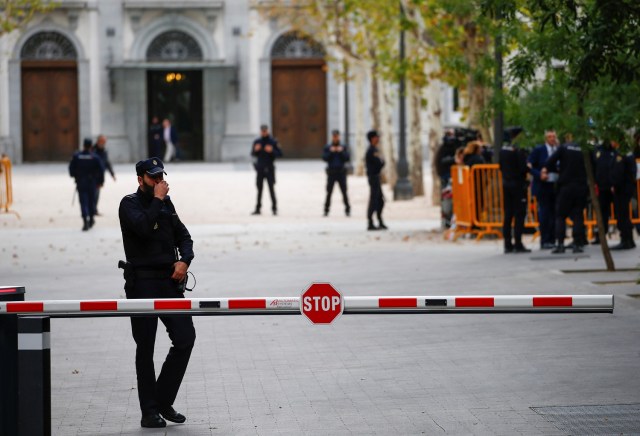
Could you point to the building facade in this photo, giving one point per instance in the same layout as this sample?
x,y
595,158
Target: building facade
x,y
217,69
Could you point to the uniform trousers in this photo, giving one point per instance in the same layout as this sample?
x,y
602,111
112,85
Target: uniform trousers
x,y
621,206
515,207
269,175
87,197
605,198
376,199
153,393
338,176
570,203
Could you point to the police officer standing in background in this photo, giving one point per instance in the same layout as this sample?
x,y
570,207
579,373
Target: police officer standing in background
x,y
336,155
513,165
86,167
603,159
265,150
159,251
572,193
100,150
623,181
374,163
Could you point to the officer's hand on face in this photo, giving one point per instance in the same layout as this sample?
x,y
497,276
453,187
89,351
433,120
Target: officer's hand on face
x,y
179,271
268,148
161,189
257,147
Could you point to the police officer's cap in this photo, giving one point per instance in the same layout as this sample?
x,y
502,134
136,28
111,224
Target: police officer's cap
x,y
511,133
335,132
152,166
372,134
264,127
87,142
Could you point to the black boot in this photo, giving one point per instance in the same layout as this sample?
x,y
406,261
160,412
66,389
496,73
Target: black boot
x,y
559,248
85,225
91,222
371,226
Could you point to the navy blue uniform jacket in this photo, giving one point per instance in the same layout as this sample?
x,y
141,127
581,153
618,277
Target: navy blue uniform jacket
x,y
335,159
262,159
152,231
87,169
373,161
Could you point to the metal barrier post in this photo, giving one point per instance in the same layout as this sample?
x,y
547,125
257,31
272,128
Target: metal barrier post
x,y
6,188
34,376
9,362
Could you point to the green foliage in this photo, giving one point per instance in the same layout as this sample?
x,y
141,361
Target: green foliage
x,y
583,57
612,110
16,13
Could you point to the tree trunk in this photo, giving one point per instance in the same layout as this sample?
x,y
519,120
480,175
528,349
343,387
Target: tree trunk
x,y
436,132
375,98
390,169
415,145
595,203
360,140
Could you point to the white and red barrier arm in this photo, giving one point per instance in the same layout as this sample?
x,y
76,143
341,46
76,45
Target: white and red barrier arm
x,y
291,305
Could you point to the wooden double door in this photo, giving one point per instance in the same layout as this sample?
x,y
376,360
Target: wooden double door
x,y
49,110
299,106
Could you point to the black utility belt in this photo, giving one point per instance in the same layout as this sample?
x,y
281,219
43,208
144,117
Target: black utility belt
x,y
153,273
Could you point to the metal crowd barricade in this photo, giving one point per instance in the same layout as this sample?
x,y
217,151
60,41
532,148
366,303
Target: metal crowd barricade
x,y
478,204
6,189
462,203
487,199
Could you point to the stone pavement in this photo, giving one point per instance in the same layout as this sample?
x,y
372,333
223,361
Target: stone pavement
x,y
279,375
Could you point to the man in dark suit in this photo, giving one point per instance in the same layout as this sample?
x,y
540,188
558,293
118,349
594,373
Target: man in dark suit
x,y
543,188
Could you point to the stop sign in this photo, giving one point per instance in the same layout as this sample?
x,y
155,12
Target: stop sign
x,y
321,303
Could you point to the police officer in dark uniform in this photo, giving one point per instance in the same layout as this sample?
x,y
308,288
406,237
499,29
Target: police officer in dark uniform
x,y
336,155
513,165
604,158
375,163
572,193
265,150
87,168
159,251
623,182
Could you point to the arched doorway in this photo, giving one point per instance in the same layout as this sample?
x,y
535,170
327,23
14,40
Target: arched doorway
x,y
299,95
49,75
176,93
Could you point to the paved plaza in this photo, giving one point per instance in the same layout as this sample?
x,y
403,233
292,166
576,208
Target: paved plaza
x,y
455,374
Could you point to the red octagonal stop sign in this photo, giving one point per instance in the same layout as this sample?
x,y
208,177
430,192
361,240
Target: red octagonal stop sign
x,y
321,303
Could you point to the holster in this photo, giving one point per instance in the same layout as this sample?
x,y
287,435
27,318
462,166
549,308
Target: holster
x,y
128,274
